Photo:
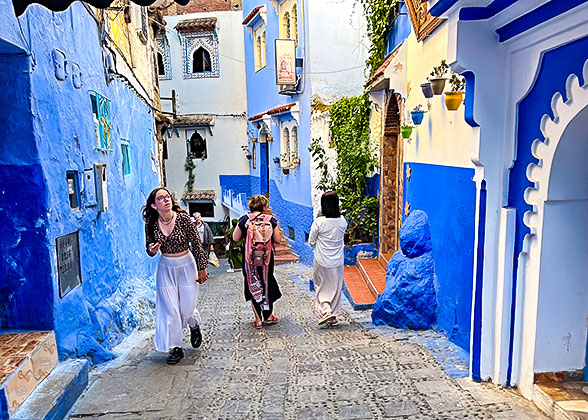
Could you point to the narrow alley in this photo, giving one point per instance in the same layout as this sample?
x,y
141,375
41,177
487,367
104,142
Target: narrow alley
x,y
292,370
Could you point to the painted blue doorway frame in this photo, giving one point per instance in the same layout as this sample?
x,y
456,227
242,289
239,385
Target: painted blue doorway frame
x,y
263,170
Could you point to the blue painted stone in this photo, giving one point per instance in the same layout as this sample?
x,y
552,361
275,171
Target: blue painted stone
x,y
353,252
410,297
415,234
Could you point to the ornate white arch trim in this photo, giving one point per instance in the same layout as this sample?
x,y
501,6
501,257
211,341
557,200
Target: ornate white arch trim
x,y
553,129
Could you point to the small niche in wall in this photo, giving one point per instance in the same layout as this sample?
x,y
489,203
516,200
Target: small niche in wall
x,y
291,234
73,189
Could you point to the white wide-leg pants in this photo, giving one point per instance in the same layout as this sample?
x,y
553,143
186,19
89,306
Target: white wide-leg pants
x,y
177,296
328,283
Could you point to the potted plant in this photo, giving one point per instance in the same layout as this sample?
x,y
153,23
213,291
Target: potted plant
x,y
417,114
427,90
286,171
437,79
405,131
248,154
454,97
295,161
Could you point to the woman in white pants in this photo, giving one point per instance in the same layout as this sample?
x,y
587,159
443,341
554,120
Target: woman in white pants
x,y
169,229
326,237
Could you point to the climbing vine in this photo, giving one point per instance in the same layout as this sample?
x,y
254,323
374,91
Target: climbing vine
x,y
355,160
189,166
379,15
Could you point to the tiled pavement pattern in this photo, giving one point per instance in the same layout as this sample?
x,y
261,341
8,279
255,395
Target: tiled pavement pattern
x,y
292,370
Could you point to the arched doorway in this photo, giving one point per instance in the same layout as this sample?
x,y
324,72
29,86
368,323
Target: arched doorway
x,y
391,174
554,281
560,344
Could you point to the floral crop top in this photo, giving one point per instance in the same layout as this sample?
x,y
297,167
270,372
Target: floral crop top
x,y
182,237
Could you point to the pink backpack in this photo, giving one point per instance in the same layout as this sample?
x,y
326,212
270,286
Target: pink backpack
x,y
258,244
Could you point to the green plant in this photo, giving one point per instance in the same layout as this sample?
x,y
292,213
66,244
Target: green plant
x,y
406,127
379,15
440,70
189,166
457,83
355,160
418,108
318,154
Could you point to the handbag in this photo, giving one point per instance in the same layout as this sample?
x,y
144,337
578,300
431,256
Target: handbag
x,y
213,259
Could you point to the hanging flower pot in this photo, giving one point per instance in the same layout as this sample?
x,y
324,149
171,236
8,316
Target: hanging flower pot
x,y
277,160
254,139
286,171
453,100
417,116
406,131
437,85
249,157
427,90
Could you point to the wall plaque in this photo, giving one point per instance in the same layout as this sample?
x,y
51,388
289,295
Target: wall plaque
x,y
68,263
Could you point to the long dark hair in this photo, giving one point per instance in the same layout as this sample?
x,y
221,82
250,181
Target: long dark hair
x,y
330,205
150,215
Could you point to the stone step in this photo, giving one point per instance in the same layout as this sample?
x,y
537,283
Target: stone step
x,y
56,395
384,258
25,360
357,291
285,259
282,250
373,273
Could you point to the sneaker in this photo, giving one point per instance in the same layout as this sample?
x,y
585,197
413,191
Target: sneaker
x,y
195,336
231,270
175,355
333,322
325,318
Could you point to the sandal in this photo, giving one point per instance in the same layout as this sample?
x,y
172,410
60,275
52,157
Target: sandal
x,y
256,325
271,320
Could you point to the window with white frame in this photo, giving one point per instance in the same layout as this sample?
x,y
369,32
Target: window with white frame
x,y
289,144
260,50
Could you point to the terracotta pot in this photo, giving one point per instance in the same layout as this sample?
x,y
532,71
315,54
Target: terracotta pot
x,y
453,100
406,132
438,85
286,171
248,157
427,90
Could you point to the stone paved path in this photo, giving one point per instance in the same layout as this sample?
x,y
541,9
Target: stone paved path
x,y
293,370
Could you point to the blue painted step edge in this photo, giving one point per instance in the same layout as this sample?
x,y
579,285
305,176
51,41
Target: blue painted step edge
x,y
56,395
355,306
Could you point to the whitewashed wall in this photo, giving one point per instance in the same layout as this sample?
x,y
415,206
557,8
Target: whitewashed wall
x,y
223,97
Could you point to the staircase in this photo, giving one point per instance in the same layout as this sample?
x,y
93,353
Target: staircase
x,y
365,281
283,253
33,384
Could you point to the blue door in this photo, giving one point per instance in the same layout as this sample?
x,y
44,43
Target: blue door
x,y
263,170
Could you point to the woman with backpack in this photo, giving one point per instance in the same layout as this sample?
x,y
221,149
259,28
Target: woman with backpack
x,y
326,237
169,229
260,231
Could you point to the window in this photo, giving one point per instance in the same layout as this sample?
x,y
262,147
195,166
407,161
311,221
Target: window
x,y
260,56
126,157
205,208
291,233
285,161
73,189
287,29
200,56
102,124
163,58
197,146
294,25
294,145
201,61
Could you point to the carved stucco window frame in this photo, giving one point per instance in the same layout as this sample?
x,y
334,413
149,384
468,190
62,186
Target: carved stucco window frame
x,y
422,21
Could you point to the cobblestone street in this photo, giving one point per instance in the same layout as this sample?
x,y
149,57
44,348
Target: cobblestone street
x,y
292,370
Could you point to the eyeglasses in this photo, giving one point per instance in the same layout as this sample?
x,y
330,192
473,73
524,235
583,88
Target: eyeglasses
x,y
163,198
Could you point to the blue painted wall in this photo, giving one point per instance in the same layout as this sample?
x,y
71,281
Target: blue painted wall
x,y
50,131
400,31
448,196
554,69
